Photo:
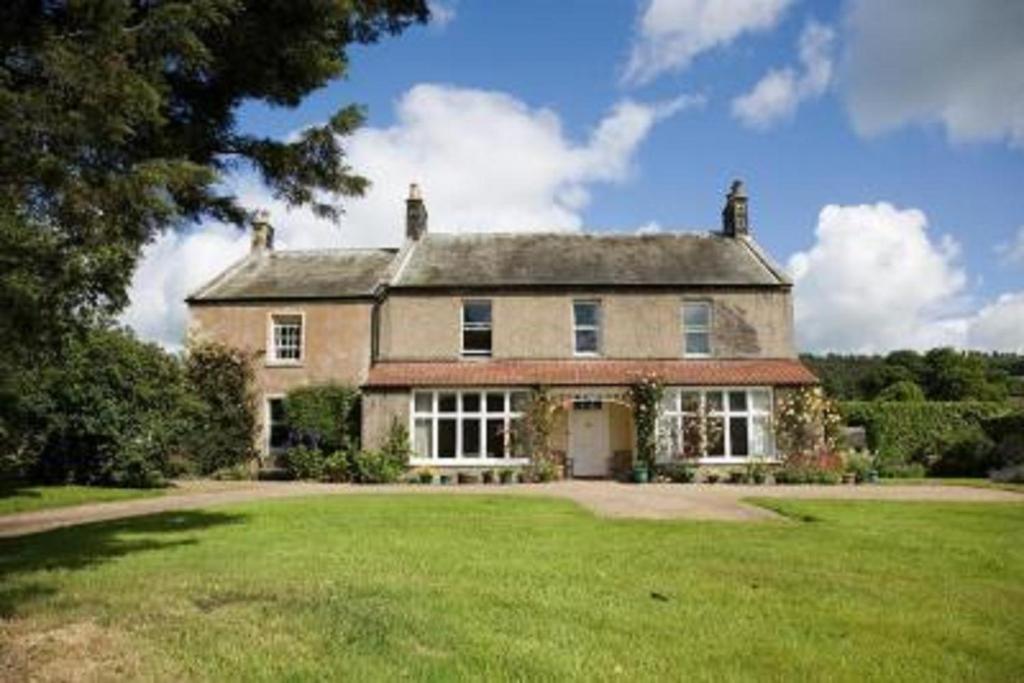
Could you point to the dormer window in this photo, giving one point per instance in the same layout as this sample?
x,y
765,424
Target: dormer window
x,y
286,338
476,328
696,329
586,321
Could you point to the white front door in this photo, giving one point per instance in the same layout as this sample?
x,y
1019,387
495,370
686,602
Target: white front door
x,y
589,443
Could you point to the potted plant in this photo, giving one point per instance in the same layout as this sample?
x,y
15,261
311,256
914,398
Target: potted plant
x,y
507,476
425,476
446,479
469,478
641,475
488,477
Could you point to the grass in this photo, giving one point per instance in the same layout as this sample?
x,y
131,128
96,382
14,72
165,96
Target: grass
x,y
18,498
976,482
479,588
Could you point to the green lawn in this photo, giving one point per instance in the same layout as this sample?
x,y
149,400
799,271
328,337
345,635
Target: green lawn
x,y
449,588
976,482
17,498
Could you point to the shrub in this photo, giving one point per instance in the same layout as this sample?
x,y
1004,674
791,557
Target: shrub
x,y
903,390
1007,432
324,417
239,472
375,467
396,446
676,472
645,397
114,413
824,467
860,464
1014,474
224,422
337,467
910,470
966,454
304,463
543,471
917,431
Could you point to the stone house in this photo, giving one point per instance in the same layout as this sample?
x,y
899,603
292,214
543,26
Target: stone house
x,y
451,332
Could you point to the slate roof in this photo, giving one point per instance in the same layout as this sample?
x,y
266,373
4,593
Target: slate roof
x,y
318,274
604,372
585,259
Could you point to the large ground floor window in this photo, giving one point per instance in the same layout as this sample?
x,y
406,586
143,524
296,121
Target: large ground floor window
x,y
716,424
452,426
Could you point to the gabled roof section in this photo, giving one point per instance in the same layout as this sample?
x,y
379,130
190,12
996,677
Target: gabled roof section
x,y
585,259
316,274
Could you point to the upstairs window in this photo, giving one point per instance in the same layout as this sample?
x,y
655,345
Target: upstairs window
x,y
476,328
286,338
696,329
586,328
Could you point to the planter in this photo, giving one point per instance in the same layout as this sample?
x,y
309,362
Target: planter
x,y
507,477
850,478
446,479
872,476
640,474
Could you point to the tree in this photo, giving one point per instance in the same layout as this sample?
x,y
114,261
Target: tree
x,y
114,412
903,390
951,375
117,121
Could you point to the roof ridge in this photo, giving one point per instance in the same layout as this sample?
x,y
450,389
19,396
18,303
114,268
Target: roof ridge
x,y
335,250
576,233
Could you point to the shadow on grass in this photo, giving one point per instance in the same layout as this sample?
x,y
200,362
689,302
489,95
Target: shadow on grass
x,y
18,490
80,547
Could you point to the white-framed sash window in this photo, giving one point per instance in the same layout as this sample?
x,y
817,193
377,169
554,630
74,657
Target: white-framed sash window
x,y
477,327
696,329
287,338
586,327
716,424
465,427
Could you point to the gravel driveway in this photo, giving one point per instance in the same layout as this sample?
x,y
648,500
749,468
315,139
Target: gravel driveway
x,y
609,499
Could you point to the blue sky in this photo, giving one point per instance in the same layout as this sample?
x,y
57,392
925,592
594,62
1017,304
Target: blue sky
x,y
873,126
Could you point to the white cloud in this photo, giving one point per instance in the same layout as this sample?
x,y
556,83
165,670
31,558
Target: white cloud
x,y
954,62
670,33
777,95
442,12
1013,252
485,160
875,280
1000,325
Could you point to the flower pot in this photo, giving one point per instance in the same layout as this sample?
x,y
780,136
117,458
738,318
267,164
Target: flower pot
x,y
640,474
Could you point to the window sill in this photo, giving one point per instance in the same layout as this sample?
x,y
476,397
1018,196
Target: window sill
x,y
697,356
468,462
284,364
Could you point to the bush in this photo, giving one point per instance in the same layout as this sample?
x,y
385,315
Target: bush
x,y
860,465
543,471
1014,474
910,470
114,413
337,467
305,463
375,467
901,433
818,468
239,472
224,422
676,472
967,454
324,417
904,390
1007,433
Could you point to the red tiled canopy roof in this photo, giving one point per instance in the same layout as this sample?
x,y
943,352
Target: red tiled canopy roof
x,y
776,371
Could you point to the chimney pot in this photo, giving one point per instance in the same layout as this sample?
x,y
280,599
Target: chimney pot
x,y
262,233
735,219
415,214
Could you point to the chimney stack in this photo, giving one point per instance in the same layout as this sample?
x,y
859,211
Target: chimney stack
x,y
735,221
415,214
262,233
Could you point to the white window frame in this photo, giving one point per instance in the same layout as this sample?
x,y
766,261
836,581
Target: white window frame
x,y
507,415
577,327
463,326
676,414
705,329
267,425
271,356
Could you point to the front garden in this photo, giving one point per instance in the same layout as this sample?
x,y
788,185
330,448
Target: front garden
x,y
510,588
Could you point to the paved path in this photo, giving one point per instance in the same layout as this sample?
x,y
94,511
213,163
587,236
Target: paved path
x,y
610,499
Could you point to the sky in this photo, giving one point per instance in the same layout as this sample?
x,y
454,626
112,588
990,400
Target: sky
x,y
882,145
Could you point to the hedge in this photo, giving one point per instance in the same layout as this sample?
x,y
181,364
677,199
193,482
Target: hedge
x,y
916,431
